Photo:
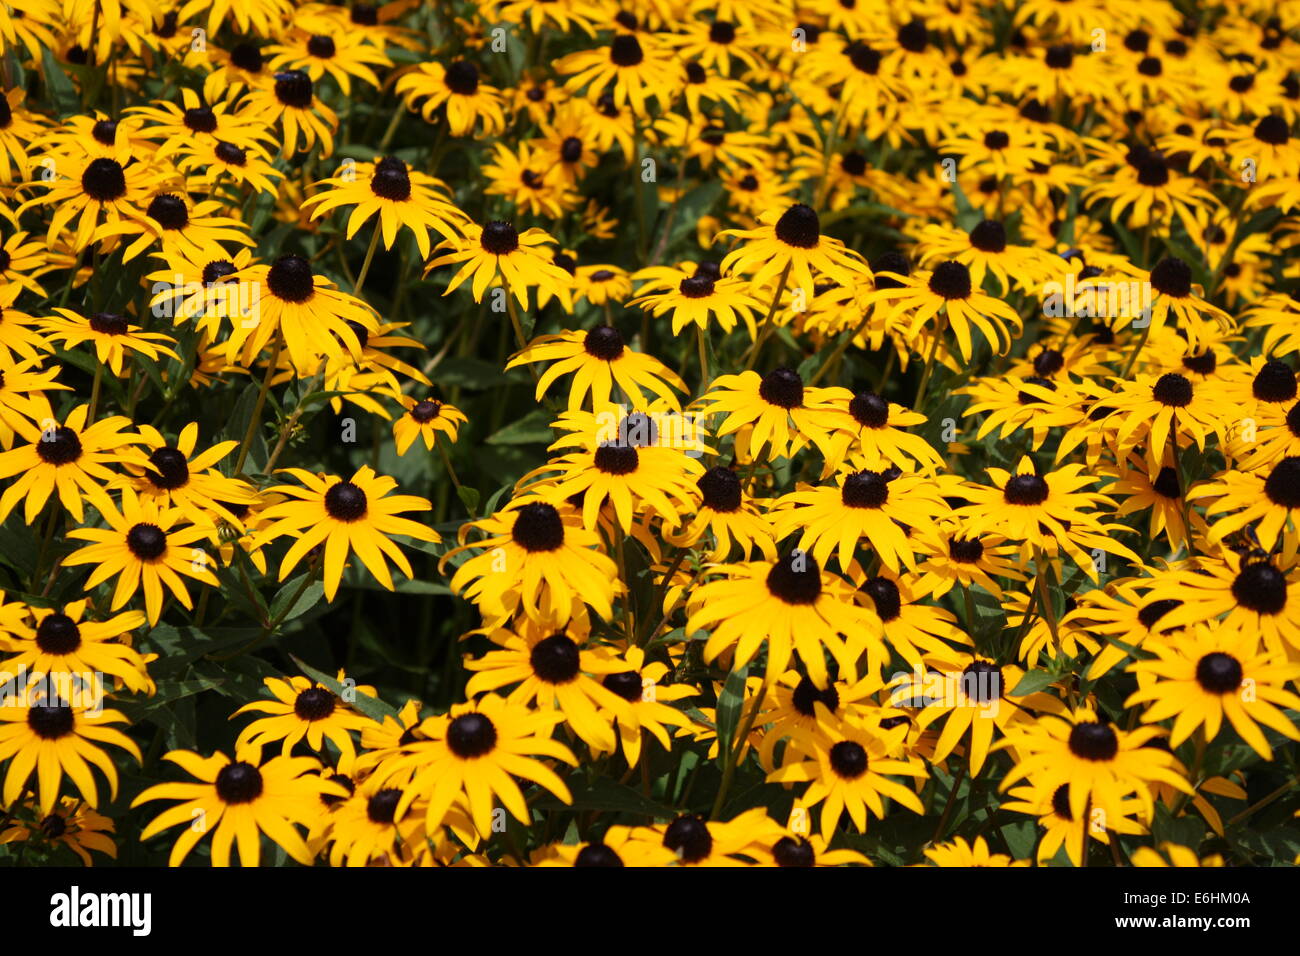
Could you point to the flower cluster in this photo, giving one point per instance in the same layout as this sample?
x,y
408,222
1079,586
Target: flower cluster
x,y
808,434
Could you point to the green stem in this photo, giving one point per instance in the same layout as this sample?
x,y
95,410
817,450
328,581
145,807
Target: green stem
x,y
929,362
1262,802
704,357
94,394
766,329
253,422
365,266
842,347
950,805
1137,348
398,112
276,621
451,473
735,750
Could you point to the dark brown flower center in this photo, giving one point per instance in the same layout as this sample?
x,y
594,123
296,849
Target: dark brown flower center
x,y
1093,741
146,541
104,180
471,735
58,634
291,279
239,782
538,527
1218,673
314,703
345,501
799,226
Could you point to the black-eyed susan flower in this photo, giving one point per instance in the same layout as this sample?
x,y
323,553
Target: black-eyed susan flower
x,y
971,693
647,692
618,846
174,125
1172,854
498,250
1156,412
1263,499
347,516
64,641
177,477
1046,511
172,223
1102,763
457,92
342,54
21,335
790,244
292,104
53,737
788,606
636,67
729,515
599,359
18,383
737,842
474,753
871,432
949,288
1212,673
538,559
88,191
71,458
23,260
849,769
239,800
398,195
554,671
960,853
305,711
298,306
960,556
112,335
426,419
696,297
1062,829
865,507
73,824
767,406
364,831
148,549
912,627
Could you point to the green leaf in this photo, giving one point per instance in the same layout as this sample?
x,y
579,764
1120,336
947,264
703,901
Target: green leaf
x,y
61,88
1021,838
372,707
694,206
1186,831
607,795
1031,683
968,217
533,428
309,598
730,703
469,497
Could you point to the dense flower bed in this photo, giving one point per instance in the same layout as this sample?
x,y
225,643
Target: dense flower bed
x,y
658,432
